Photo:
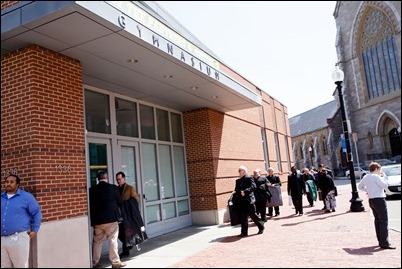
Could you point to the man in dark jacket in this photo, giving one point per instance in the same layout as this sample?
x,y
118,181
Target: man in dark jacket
x,y
131,229
296,189
262,194
244,191
104,203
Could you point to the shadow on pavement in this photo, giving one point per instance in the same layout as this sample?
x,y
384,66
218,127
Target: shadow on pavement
x,y
363,250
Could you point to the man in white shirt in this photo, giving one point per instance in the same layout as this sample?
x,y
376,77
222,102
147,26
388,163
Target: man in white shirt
x,y
375,186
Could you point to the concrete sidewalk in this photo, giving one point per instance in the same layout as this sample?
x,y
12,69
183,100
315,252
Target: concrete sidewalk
x,y
339,239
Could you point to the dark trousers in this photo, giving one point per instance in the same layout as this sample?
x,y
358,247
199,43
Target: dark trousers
x,y
310,198
249,210
271,209
298,203
261,207
122,238
380,212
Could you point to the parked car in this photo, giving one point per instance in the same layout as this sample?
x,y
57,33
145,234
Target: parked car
x,y
381,162
392,174
396,159
360,172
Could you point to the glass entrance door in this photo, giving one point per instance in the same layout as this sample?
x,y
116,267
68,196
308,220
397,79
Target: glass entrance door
x,y
99,159
129,164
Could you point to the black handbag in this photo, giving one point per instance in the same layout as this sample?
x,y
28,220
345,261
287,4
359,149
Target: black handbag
x,y
234,210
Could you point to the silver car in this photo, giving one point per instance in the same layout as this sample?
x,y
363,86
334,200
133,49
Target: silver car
x,y
392,173
359,172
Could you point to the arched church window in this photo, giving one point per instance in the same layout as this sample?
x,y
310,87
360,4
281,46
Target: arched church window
x,y
324,146
379,53
301,151
370,140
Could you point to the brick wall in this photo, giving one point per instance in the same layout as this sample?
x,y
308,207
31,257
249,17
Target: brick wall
x,y
42,129
216,145
197,131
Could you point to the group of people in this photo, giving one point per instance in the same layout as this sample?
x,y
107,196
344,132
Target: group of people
x,y
252,195
311,183
115,214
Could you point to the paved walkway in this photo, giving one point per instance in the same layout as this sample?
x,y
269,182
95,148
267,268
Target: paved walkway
x,y
341,239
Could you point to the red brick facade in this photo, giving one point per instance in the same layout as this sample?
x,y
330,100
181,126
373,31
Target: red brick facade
x,y
217,144
42,129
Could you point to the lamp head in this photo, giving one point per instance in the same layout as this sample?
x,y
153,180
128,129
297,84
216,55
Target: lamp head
x,y
337,75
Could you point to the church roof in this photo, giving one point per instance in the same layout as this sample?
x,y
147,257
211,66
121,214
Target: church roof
x,y
312,120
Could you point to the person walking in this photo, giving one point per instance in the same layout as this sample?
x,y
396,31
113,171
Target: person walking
x,y
262,194
296,189
311,189
104,203
327,187
21,219
244,191
131,229
320,176
375,186
275,190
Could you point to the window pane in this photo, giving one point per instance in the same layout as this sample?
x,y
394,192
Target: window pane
x,y
97,161
153,213
162,119
97,112
183,207
177,130
169,210
180,172
128,165
165,160
147,122
126,117
151,186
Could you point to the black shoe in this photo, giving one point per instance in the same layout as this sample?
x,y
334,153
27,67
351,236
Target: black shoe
x,y
261,231
98,265
269,215
242,235
327,211
124,254
277,214
333,210
323,208
387,247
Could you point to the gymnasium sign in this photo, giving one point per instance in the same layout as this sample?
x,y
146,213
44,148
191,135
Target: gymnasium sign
x,y
151,30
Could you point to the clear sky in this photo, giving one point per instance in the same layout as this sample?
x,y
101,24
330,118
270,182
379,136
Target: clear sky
x,y
285,48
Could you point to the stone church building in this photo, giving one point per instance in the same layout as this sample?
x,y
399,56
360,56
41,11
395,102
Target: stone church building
x,y
368,44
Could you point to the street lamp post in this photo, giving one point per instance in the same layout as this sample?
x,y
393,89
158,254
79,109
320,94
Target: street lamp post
x,y
310,150
356,203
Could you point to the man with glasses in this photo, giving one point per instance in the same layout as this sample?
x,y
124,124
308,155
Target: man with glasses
x,y
127,193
